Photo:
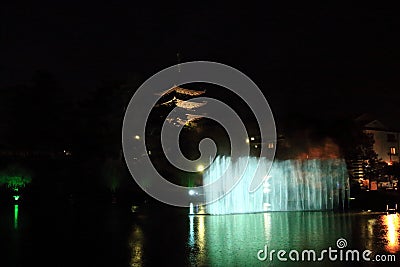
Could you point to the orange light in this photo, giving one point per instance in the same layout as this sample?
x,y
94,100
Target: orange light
x,y
392,224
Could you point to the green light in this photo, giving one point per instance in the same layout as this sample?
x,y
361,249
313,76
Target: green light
x,y
114,184
112,172
15,178
15,216
190,182
17,182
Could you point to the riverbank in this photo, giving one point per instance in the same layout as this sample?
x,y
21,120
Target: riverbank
x,y
374,200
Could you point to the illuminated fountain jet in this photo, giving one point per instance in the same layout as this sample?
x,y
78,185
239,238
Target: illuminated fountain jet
x,y
290,185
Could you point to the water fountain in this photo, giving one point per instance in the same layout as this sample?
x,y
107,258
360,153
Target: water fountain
x,y
191,210
290,185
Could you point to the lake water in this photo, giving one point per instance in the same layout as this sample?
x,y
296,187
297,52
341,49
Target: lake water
x,y
110,235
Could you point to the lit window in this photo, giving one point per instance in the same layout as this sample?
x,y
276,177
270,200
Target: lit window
x,y
393,151
270,145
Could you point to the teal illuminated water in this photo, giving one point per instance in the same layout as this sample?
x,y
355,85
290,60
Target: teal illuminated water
x,y
159,235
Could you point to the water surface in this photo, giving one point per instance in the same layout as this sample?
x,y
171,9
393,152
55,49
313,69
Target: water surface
x,y
110,235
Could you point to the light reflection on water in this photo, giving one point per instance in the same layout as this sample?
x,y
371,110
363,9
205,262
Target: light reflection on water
x,y
392,224
136,246
234,240
16,216
174,238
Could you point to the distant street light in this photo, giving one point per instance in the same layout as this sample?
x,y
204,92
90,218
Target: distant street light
x,y
200,168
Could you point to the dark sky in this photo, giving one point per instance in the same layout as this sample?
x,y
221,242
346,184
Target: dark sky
x,y
314,59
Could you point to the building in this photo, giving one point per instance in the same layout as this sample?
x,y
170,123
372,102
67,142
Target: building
x,y
386,137
385,145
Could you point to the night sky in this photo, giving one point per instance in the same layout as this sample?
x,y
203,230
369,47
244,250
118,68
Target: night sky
x,y
306,59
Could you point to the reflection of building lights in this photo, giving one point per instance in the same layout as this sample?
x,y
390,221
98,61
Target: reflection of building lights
x,y
202,231
392,223
368,234
370,227
137,137
200,168
136,245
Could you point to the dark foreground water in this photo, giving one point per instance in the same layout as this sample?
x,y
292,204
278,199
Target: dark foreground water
x,y
110,235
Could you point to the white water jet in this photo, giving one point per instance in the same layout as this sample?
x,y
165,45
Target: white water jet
x,y
191,211
290,185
